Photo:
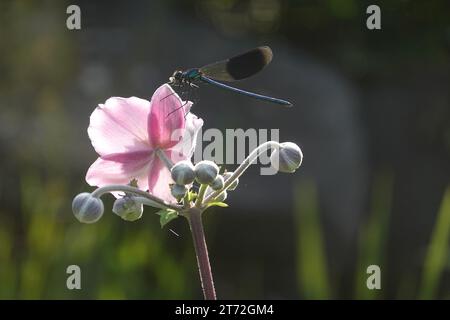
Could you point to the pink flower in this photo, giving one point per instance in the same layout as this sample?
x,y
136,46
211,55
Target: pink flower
x,y
126,132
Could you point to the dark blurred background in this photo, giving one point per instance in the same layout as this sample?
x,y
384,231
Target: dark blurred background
x,y
372,115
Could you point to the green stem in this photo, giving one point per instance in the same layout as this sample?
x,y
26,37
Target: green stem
x,y
243,166
194,216
201,195
149,202
124,188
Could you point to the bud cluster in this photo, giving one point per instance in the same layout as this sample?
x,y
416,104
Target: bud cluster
x,y
213,186
205,173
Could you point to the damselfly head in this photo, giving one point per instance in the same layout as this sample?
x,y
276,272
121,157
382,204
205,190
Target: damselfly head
x,y
176,77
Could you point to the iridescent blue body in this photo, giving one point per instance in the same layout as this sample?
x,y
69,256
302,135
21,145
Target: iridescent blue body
x,y
192,74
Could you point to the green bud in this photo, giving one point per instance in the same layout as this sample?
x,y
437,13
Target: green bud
x,y
206,172
178,191
183,172
217,183
287,158
86,208
128,208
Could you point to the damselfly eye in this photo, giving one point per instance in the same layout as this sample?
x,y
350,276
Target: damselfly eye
x,y
177,74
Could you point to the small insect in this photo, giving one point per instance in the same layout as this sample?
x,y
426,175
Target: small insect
x,y
236,68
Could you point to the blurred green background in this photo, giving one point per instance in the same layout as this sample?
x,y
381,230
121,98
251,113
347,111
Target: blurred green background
x,y
372,115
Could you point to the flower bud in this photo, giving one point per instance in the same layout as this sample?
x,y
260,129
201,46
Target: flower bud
x,y
128,208
183,172
217,183
206,172
287,158
178,191
233,186
221,197
86,208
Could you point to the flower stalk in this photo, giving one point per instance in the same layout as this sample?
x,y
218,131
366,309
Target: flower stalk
x,y
194,216
201,195
242,167
151,199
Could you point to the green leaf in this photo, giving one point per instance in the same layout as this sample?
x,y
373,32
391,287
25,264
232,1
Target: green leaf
x,y
217,204
192,196
166,215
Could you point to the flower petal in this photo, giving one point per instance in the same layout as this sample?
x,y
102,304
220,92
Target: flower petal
x,y
186,147
166,116
159,180
120,168
120,125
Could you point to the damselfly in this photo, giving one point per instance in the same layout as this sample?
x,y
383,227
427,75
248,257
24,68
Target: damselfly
x,y
236,68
